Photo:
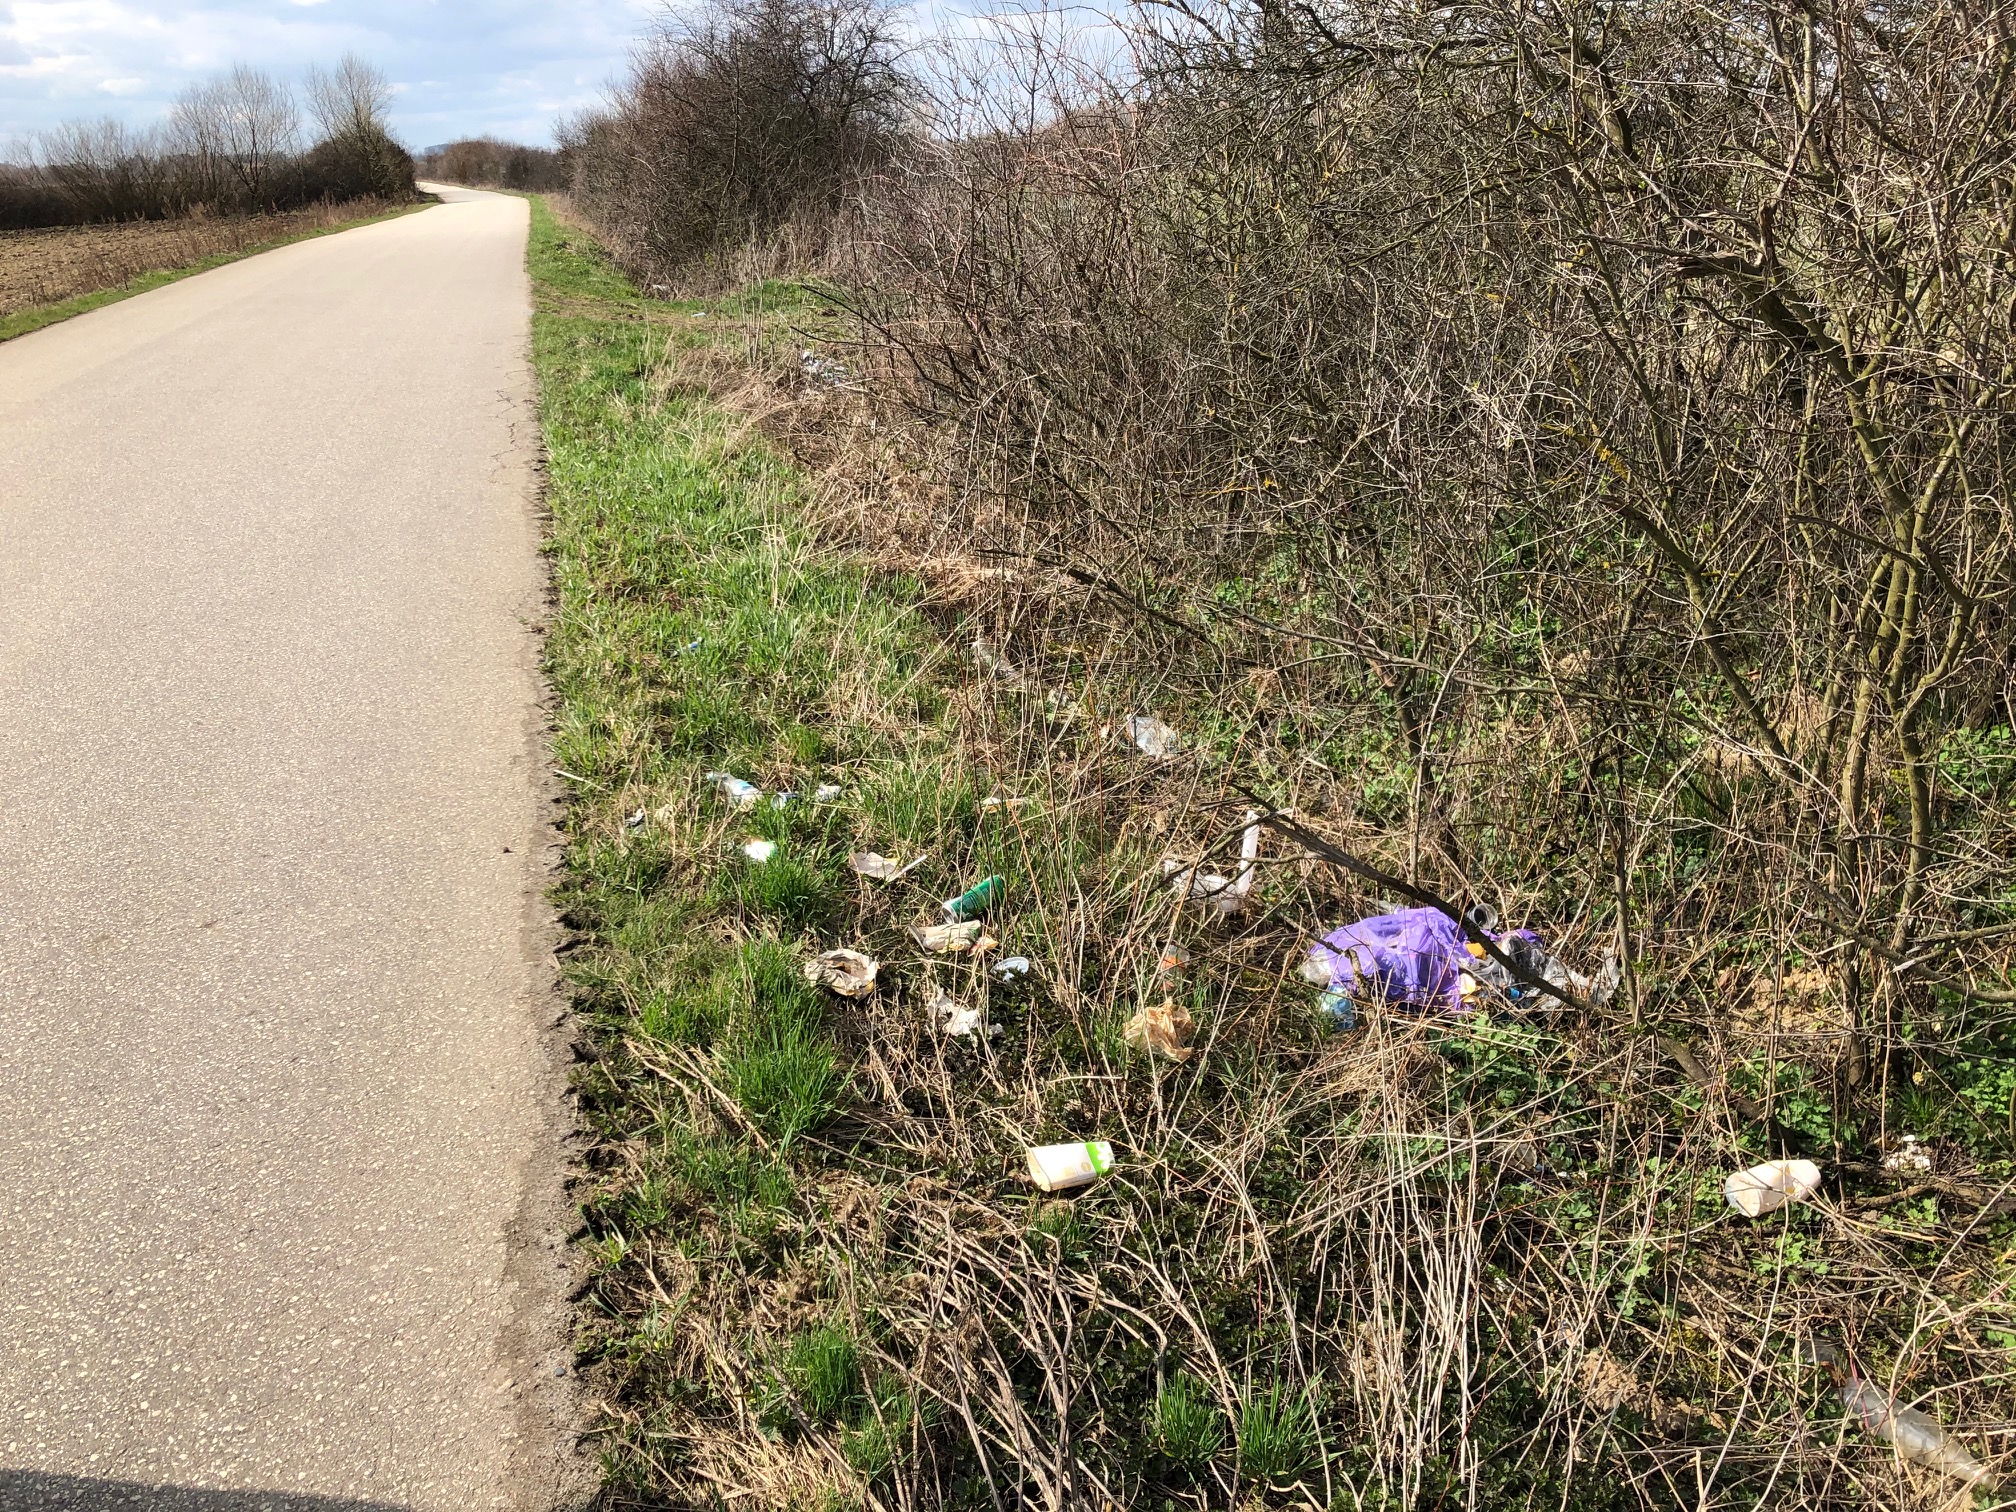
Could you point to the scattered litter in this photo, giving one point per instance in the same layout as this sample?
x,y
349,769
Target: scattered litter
x,y
1918,1438
1011,966
985,943
1337,1003
744,795
954,1018
948,939
1418,957
1768,1187
826,792
1065,711
784,799
847,972
821,369
991,661
1224,896
1150,736
634,821
1162,1030
690,647
759,850
1174,961
1060,1167
996,801
976,900
880,868
1910,1156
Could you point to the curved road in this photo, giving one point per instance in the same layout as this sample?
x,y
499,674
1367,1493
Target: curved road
x,y
280,1114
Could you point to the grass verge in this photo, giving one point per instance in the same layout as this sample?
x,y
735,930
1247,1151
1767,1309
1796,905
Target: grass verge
x,y
35,317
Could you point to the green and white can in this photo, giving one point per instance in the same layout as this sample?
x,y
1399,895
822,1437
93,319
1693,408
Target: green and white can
x,y
976,900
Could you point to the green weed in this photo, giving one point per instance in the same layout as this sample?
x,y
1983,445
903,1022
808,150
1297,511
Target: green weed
x,y
1277,1435
1189,1428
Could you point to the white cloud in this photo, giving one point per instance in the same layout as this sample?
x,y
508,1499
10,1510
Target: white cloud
x,y
461,66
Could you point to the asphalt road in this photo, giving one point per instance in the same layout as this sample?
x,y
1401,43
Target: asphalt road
x,y
280,1142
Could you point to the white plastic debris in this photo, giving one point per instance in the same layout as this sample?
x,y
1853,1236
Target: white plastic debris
x,y
949,939
996,801
1150,736
1768,1187
847,972
1910,1156
991,661
1060,1167
784,799
1223,896
826,792
1011,966
1064,710
1917,1437
955,1018
634,821
744,795
879,868
758,850
821,369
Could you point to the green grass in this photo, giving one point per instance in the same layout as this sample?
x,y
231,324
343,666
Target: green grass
x,y
1189,1428
35,317
1277,1437
697,628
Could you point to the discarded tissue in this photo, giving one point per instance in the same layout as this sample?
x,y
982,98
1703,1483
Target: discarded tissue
x,y
847,972
1223,896
1060,1167
954,1018
1162,1030
758,850
1768,1187
948,938
880,868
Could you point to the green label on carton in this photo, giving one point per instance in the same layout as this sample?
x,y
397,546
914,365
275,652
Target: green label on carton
x,y
1100,1154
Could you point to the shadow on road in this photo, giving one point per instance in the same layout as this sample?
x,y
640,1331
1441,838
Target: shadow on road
x,y
33,1491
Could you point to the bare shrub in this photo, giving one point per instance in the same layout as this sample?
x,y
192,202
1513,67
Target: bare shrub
x,y
747,122
230,146
488,162
1561,455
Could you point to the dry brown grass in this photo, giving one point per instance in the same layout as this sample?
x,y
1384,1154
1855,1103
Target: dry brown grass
x,y
46,267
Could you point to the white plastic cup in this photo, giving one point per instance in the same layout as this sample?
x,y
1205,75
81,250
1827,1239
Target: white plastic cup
x,y
1060,1167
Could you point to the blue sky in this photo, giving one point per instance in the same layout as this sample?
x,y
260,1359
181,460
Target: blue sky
x,y
461,67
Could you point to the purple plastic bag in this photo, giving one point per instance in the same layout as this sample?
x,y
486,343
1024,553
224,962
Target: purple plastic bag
x,y
1414,956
